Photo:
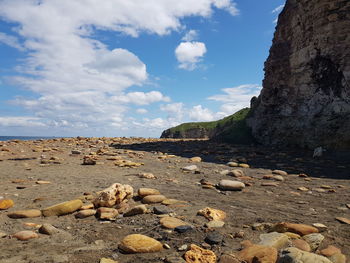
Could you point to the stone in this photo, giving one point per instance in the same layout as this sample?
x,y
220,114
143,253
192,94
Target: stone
x,y
274,239
215,224
232,164
25,235
113,195
279,178
197,254
153,199
214,238
183,229
142,192
86,207
228,258
343,220
147,176
172,202
270,184
137,243
6,204
162,210
107,260
30,213
338,258
62,208
330,251
85,213
230,185
301,244
107,213
292,235
280,172
136,210
300,229
89,160
256,253
42,182
171,222
320,227
48,229
212,214
190,168
196,159
174,258
244,165
314,240
294,255
236,173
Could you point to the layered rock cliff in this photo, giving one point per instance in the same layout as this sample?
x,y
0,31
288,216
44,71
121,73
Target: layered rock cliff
x,y
305,100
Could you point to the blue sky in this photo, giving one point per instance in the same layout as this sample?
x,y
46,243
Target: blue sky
x,y
128,67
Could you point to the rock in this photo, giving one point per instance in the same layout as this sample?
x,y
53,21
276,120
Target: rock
x,y
25,235
2,234
76,152
42,182
320,227
343,220
244,165
338,258
215,224
107,213
280,172
229,259
172,202
162,210
174,259
256,253
153,199
294,255
190,168
137,210
236,173
212,214
172,222
48,229
279,178
63,208
229,185
330,251
89,160
30,213
6,204
113,195
85,213
232,164
196,159
314,240
300,229
147,176
199,255
183,229
270,184
107,260
137,243
86,207
142,192
292,235
183,248
214,238
301,244
274,239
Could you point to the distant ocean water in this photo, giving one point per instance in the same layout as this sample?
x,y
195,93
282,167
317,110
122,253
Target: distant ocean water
x,y
24,138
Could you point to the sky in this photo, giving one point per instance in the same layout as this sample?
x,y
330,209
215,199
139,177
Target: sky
x,y
128,67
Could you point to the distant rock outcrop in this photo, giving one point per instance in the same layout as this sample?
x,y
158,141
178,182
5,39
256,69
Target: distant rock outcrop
x,y
305,100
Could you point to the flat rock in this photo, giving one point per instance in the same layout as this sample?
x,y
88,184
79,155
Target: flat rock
x,y
330,251
314,240
215,224
107,213
25,235
300,229
213,238
280,172
343,220
137,243
162,210
230,185
172,202
63,208
107,260
257,253
197,254
294,255
190,168
153,199
228,258
6,204
212,214
183,228
274,239
85,213
30,213
142,192
232,164
320,227
2,234
137,210
174,258
196,159
301,244
172,222
48,229
338,258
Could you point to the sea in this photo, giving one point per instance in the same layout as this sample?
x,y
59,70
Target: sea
x,y
25,138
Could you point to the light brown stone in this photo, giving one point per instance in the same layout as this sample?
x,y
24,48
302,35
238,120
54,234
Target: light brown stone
x,y
142,192
153,199
330,251
196,159
197,254
171,222
137,210
212,214
301,244
25,235
48,229
30,213
6,204
107,260
294,255
256,253
115,194
338,258
137,243
107,213
85,213
228,258
343,220
63,208
300,229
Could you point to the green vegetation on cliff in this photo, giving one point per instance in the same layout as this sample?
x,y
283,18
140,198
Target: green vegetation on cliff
x,y
231,129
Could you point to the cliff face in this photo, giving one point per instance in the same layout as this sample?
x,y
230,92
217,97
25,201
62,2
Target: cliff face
x,y
305,100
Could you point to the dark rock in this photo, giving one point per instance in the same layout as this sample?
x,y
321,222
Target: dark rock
x,y
213,238
183,229
162,210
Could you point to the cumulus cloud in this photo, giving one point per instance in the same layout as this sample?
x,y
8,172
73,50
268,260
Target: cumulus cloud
x,y
190,35
198,113
76,77
141,111
189,54
21,122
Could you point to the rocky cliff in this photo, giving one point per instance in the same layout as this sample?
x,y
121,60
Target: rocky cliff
x,y
305,100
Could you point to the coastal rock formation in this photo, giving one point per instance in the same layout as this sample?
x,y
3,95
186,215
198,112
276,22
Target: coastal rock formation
x,y
305,100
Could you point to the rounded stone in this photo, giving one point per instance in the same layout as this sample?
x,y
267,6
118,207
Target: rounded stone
x,y
230,185
6,204
25,235
153,199
301,244
142,192
85,213
213,238
137,243
30,213
137,210
171,222
63,208
48,229
215,224
162,210
314,240
183,229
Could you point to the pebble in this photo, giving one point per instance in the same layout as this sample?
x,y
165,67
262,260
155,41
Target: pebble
x,y
153,199
314,240
330,251
280,172
214,238
215,224
142,192
174,259
196,159
301,244
42,182
107,213
274,239
190,168
172,202
171,222
300,229
6,204
2,234
183,248
232,164
137,243
162,210
229,259
212,214
63,208
48,229
85,213
269,184
229,185
25,235
320,227
183,229
137,210
303,189
30,213
294,255
244,165
197,254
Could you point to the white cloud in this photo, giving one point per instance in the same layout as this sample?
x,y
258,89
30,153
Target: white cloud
x,y
189,54
198,113
78,80
278,9
236,98
11,41
21,122
190,35
141,111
